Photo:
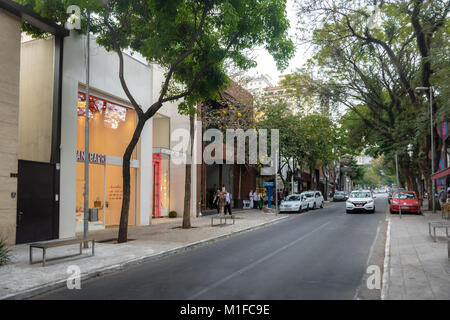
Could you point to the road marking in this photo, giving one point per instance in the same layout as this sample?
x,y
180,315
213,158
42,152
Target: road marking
x,y
386,266
253,264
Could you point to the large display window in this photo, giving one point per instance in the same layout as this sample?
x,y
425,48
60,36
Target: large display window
x,y
111,128
161,185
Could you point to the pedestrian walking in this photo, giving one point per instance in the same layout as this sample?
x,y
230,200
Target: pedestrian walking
x,y
250,197
221,201
216,200
260,201
228,198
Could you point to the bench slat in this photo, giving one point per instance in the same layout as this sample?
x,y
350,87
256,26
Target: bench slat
x,y
57,243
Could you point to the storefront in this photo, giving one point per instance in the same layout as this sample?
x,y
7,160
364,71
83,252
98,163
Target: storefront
x,y
111,127
161,185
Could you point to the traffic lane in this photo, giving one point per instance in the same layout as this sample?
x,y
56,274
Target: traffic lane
x,y
183,275
328,264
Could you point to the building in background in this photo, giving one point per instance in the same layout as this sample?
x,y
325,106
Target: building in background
x,y
238,179
442,175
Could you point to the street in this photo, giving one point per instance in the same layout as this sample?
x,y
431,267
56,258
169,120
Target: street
x,y
320,254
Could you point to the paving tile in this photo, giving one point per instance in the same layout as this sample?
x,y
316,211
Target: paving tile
x,y
419,268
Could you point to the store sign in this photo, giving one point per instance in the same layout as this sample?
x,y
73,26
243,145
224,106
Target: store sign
x,y
93,157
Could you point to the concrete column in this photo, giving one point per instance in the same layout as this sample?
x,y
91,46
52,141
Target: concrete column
x,y
146,174
68,173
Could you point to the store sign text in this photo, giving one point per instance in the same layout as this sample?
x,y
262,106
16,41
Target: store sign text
x,y
93,157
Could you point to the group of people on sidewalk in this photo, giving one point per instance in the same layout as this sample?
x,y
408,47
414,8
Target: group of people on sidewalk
x,y
222,201
256,200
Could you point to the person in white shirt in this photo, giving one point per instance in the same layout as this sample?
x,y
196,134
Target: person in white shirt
x,y
250,197
228,198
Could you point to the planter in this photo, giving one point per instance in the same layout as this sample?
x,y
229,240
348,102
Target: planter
x,y
93,214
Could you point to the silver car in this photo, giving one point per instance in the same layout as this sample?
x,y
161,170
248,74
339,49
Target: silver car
x,y
339,196
293,203
314,199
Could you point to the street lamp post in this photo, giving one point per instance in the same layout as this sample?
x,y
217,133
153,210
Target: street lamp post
x,y
432,142
86,140
398,185
276,182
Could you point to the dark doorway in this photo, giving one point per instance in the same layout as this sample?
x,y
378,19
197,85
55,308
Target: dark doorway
x,y
37,219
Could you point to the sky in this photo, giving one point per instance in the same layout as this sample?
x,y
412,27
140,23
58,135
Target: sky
x,y
266,64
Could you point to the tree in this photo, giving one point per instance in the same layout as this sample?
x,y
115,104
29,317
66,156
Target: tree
x,y
309,141
292,149
373,70
320,138
191,39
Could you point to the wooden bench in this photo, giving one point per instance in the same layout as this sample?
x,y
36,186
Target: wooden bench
x,y
44,245
437,225
220,218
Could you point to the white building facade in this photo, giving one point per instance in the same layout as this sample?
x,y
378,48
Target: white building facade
x,y
157,183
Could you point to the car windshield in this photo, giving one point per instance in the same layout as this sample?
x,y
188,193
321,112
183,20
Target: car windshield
x,y
360,194
339,193
405,195
293,198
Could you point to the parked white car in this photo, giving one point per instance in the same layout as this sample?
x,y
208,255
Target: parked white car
x,y
361,200
293,203
314,199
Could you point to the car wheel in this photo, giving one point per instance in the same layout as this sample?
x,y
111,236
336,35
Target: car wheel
x,y
321,205
348,211
314,206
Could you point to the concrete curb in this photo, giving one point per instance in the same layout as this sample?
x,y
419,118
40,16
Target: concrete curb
x,y
387,260
28,293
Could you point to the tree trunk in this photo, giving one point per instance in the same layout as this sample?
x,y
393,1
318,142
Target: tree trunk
x,y
313,178
123,226
187,183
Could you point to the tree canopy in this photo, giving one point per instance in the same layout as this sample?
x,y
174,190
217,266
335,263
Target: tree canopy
x,y
368,66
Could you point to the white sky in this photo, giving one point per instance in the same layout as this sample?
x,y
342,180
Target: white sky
x,y
266,64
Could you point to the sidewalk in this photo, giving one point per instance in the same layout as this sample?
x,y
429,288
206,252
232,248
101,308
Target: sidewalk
x,y
19,279
419,267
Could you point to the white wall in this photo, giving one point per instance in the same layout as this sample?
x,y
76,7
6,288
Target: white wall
x,y
177,171
9,121
104,68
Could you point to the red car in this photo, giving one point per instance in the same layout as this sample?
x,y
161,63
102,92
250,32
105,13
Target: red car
x,y
409,202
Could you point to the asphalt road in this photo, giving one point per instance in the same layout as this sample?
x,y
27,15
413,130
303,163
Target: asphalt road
x,y
321,254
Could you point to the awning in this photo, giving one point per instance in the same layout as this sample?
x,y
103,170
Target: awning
x,y
441,174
